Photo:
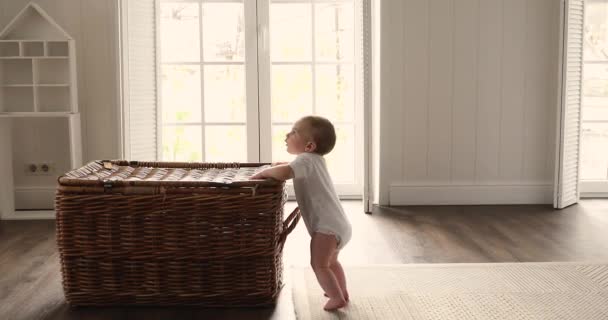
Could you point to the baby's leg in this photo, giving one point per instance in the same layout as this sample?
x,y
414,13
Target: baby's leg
x,y
336,267
322,250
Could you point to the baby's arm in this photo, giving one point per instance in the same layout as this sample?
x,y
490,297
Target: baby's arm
x,y
280,172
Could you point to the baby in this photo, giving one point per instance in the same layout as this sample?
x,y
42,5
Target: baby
x,y
310,139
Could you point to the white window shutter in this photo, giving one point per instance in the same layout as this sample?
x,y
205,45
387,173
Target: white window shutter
x,y
364,9
569,111
139,77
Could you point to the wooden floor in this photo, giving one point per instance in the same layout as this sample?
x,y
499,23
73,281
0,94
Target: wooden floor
x,y
30,283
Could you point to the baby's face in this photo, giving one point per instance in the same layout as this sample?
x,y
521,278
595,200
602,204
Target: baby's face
x,y
297,139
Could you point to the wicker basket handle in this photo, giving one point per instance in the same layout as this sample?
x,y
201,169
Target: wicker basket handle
x,y
288,225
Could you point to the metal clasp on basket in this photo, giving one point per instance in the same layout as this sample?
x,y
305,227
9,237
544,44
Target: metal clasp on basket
x,y
162,190
107,186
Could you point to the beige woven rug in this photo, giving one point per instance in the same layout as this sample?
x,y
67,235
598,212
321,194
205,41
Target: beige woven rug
x,y
569,290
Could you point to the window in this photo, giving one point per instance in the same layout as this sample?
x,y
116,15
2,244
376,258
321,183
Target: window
x,y
204,109
233,76
594,139
316,73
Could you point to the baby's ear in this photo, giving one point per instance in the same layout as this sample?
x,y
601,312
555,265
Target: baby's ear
x,y
310,146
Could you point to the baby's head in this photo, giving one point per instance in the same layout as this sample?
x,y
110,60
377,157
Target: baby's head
x,y
312,134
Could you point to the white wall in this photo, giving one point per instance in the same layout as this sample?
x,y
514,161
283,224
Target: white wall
x,y
92,24
468,101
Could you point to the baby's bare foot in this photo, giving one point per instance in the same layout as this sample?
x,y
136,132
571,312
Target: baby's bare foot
x,y
346,297
333,304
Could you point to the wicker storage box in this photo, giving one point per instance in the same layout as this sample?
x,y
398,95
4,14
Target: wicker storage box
x,y
161,233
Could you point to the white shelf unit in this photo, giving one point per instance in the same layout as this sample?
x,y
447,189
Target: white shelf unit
x,y
36,80
39,118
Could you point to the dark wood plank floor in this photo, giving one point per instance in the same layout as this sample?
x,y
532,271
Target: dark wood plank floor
x,y
30,283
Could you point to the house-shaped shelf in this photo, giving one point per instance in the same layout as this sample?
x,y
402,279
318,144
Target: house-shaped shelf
x,y
39,119
37,66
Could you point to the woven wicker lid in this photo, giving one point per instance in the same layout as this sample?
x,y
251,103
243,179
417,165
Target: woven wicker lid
x,y
177,174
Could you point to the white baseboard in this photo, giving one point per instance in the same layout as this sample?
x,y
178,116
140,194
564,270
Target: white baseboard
x,y
592,195
407,194
593,188
29,215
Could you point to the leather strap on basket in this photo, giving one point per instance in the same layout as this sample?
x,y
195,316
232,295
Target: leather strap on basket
x,y
288,225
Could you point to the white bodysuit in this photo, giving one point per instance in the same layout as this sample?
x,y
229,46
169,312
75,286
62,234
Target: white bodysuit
x,y
319,204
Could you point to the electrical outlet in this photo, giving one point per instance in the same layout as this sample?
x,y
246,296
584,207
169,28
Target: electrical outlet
x,y
39,168
30,169
46,168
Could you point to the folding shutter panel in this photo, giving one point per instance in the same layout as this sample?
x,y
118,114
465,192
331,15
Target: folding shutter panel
x,y
569,114
139,63
364,8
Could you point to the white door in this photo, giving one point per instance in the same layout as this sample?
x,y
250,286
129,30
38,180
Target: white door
x,y
208,93
311,63
234,75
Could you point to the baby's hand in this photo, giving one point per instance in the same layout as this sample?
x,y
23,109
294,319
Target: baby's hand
x,y
280,173
257,176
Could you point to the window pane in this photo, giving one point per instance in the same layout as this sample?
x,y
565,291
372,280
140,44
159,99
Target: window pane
x,y
595,82
341,160
279,147
225,94
594,153
290,32
291,92
595,90
225,144
596,33
595,108
223,32
334,31
179,32
181,95
182,143
335,92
